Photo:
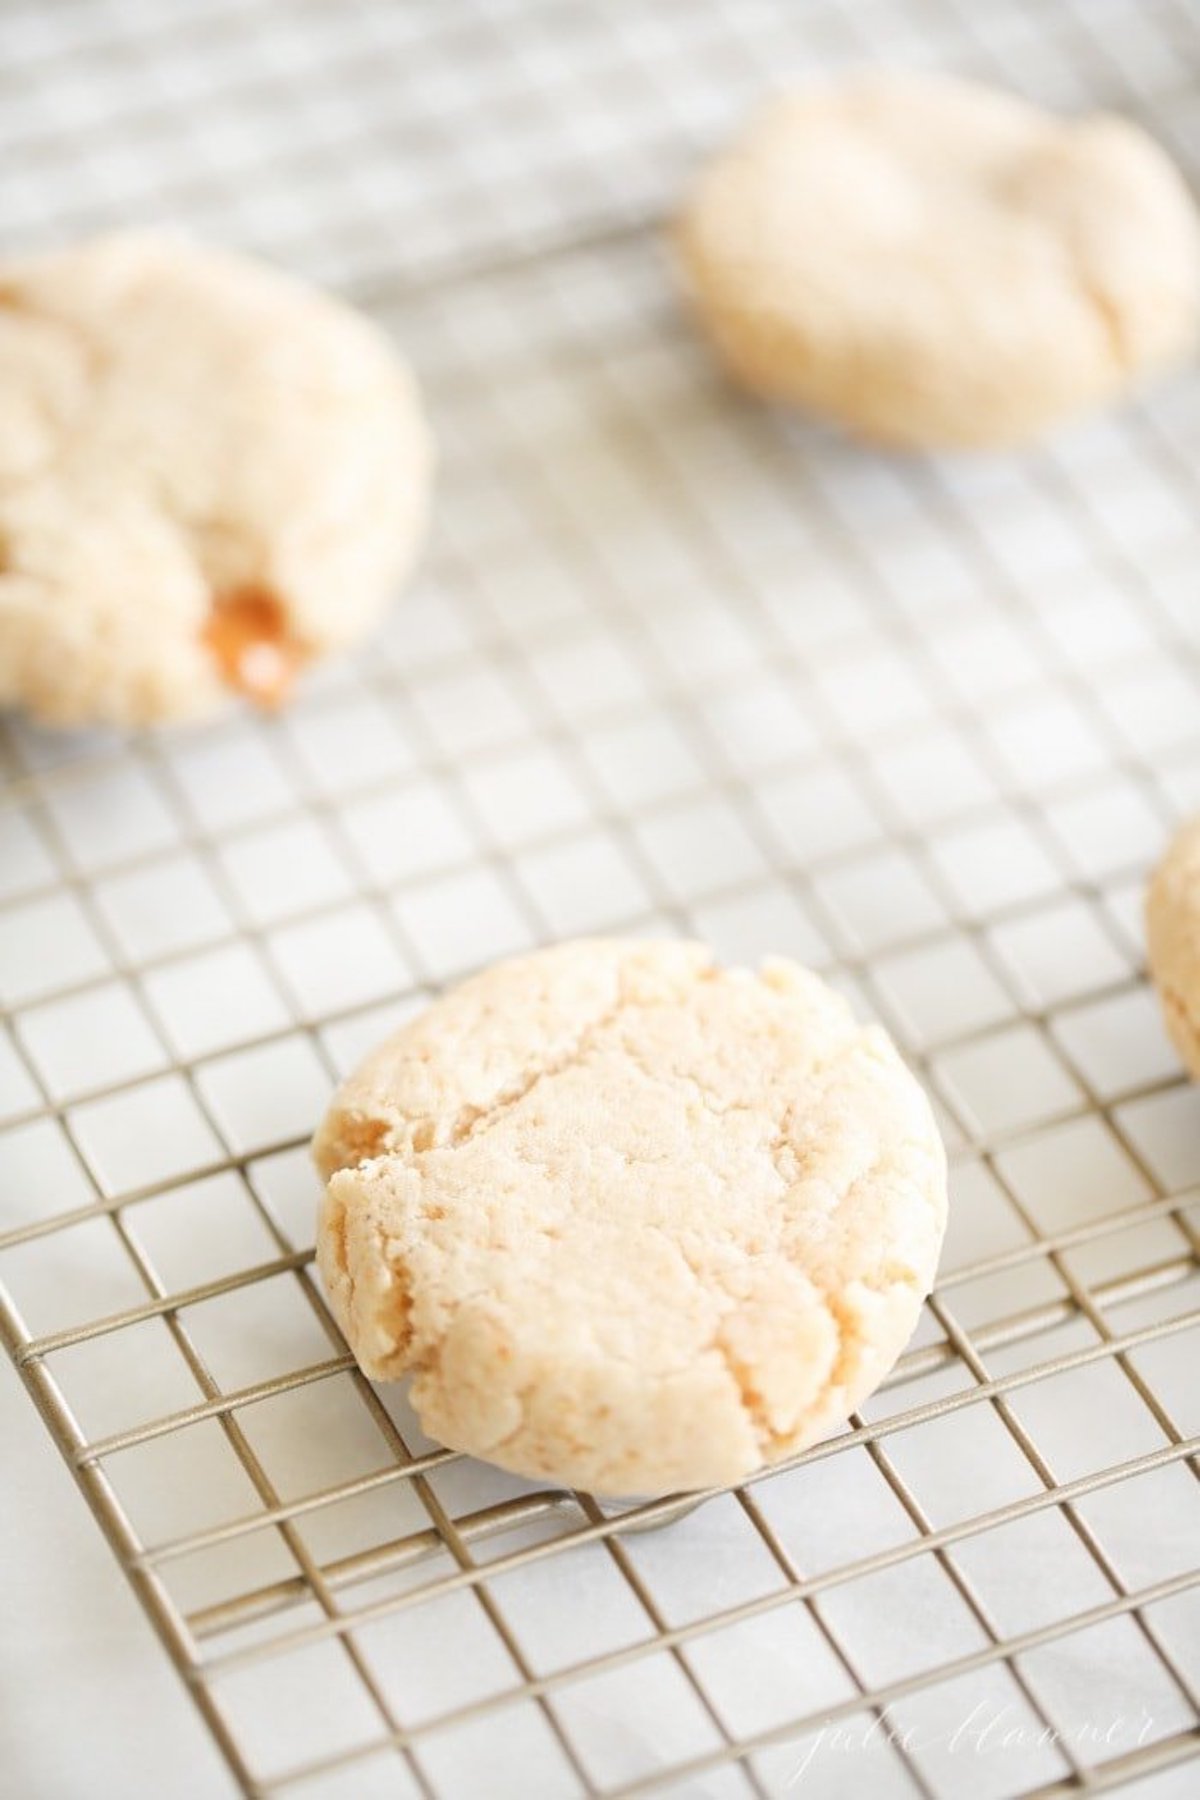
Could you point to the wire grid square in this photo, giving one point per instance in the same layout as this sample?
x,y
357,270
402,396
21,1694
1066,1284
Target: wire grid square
x,y
675,664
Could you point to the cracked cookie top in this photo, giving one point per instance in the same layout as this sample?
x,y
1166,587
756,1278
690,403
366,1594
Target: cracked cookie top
x,y
935,262
209,475
633,1222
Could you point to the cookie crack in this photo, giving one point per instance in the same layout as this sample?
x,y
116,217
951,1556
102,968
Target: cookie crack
x,y
1103,308
750,1399
474,1121
426,1133
396,1310
1110,318
740,1371
847,1339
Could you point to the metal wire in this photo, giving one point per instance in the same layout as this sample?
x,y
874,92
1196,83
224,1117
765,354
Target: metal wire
x,y
674,663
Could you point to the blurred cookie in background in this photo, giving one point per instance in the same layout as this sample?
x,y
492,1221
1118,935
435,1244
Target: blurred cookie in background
x,y
936,263
210,476
1173,941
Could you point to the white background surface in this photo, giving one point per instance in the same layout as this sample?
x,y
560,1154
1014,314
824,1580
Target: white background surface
x,y
90,1708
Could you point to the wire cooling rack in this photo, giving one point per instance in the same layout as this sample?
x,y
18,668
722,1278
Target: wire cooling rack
x,y
674,664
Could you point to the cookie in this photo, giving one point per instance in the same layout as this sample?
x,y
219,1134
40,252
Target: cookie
x,y
935,263
1173,941
210,475
633,1222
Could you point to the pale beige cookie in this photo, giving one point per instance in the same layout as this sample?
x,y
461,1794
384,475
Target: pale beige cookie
x,y
634,1223
933,262
1173,940
210,474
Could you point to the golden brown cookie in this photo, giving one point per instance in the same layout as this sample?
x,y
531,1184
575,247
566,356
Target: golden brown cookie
x,y
210,475
1173,940
633,1222
936,263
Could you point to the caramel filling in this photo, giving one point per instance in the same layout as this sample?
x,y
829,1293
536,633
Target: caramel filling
x,y
248,636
